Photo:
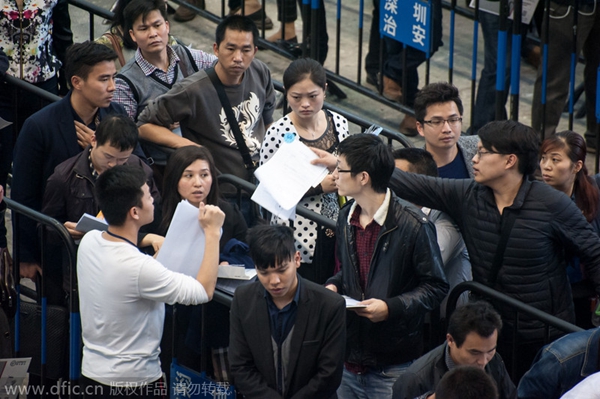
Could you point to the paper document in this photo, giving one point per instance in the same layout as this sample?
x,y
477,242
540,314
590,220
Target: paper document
x,y
262,197
237,272
4,123
352,303
183,248
289,174
88,222
12,374
493,7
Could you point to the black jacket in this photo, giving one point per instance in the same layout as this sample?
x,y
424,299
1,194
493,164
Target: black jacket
x,y
315,366
548,226
426,372
406,272
70,189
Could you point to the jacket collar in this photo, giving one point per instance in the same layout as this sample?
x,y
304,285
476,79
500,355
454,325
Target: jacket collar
x,y
381,213
82,165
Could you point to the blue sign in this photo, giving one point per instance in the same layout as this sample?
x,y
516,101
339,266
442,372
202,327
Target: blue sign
x,y
407,21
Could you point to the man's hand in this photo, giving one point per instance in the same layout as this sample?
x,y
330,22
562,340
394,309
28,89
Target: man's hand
x,y
326,159
1,193
29,270
376,310
75,234
331,287
84,134
328,184
210,217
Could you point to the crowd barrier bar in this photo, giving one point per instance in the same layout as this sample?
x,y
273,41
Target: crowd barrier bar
x,y
75,321
519,308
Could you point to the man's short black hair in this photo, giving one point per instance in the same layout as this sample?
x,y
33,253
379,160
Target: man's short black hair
x,y
141,7
270,245
367,153
82,57
512,137
436,93
420,161
118,190
118,131
466,382
478,317
238,23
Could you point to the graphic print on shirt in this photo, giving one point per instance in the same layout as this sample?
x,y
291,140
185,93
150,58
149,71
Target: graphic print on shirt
x,y
247,114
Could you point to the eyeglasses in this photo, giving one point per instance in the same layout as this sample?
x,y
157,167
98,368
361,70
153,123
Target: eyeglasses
x,y
343,170
439,122
480,153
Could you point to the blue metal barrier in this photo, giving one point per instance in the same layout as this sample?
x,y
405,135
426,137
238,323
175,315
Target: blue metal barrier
x,y
74,326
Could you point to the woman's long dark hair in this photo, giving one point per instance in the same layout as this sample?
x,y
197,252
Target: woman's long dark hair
x,y
178,161
587,196
117,27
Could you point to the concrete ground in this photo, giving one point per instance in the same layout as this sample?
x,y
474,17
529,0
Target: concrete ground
x,y
199,33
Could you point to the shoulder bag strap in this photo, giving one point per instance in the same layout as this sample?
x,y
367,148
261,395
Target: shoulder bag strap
x,y
508,222
233,123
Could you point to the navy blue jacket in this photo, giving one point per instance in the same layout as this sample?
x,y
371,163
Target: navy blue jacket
x,y
47,138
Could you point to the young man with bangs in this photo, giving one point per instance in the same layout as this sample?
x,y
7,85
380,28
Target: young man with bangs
x,y
390,262
438,110
287,334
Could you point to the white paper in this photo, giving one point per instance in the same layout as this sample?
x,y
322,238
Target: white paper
x,y
352,303
12,373
493,7
4,123
88,222
183,248
238,272
262,197
289,174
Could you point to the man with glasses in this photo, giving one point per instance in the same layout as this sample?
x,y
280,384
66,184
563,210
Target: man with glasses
x,y
390,262
438,110
542,228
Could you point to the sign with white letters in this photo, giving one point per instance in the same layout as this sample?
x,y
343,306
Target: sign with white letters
x,y
407,21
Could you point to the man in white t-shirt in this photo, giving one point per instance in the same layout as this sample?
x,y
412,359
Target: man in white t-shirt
x,y
122,291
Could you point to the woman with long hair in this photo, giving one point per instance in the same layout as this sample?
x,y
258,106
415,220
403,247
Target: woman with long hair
x,y
191,175
562,163
305,84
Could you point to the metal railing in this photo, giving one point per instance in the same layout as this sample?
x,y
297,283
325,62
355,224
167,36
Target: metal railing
x,y
49,226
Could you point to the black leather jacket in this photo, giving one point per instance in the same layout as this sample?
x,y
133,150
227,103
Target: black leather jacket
x,y
406,272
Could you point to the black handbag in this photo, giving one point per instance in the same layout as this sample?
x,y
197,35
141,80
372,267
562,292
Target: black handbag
x,y
57,338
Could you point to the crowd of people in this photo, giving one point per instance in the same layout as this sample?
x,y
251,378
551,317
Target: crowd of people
x,y
139,131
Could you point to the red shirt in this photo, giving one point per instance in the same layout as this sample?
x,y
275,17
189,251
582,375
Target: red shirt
x,y
365,240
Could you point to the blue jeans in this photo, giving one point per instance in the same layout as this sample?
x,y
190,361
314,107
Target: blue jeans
x,y
375,384
485,104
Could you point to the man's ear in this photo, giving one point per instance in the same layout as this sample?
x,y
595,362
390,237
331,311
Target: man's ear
x,y
76,82
133,212
364,178
297,259
511,161
216,49
132,36
449,339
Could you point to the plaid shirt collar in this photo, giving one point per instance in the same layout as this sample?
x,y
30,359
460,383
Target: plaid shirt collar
x,y
148,68
95,174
